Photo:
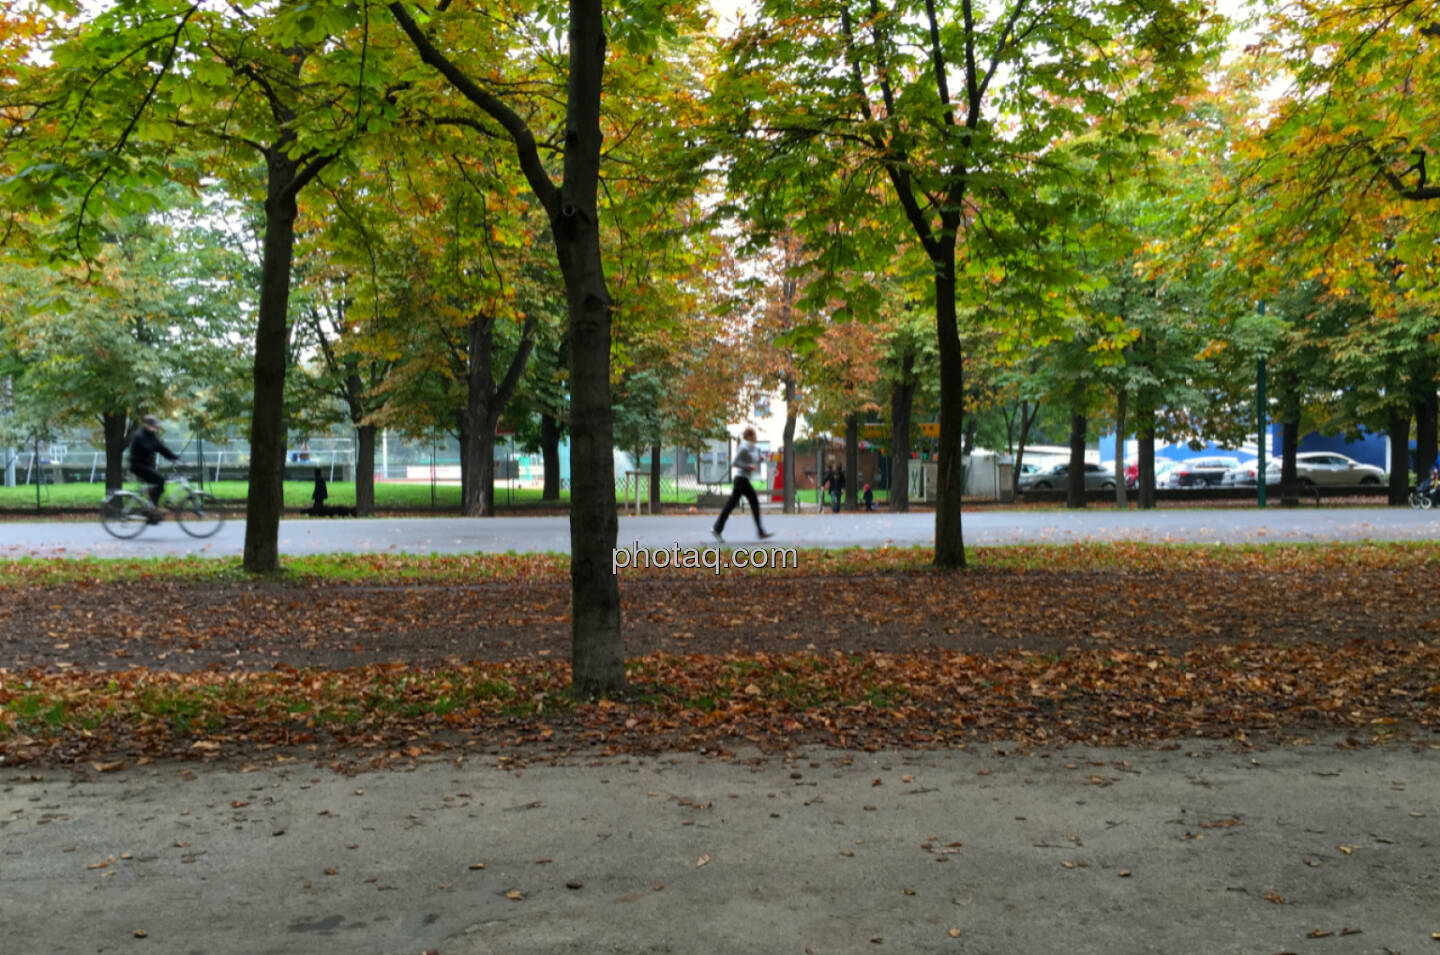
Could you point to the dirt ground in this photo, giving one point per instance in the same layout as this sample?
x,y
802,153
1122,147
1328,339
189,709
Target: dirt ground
x,y
255,625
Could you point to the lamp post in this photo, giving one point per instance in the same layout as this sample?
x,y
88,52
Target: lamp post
x,y
1262,422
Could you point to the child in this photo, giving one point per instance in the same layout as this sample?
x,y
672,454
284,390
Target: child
x,y
869,498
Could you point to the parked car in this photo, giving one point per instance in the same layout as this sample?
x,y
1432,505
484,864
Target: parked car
x,y
1162,472
1200,472
1328,468
1057,477
1163,467
1243,475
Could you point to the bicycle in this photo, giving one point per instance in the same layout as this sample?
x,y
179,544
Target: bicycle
x,y
124,514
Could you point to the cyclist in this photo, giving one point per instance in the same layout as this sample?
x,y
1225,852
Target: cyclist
x,y
1430,487
145,443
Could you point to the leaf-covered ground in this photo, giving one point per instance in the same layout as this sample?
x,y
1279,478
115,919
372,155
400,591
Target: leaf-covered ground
x,y
1117,643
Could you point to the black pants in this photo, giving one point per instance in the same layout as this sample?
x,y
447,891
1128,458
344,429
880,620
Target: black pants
x,y
153,478
742,486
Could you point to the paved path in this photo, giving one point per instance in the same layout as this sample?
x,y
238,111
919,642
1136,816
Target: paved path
x,y
498,535
1074,850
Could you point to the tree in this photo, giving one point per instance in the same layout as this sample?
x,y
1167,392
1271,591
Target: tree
x,y
144,328
144,92
573,210
910,94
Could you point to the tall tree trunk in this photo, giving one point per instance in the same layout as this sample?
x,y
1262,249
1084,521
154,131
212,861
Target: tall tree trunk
x,y
550,456
477,435
1028,414
598,665
1121,501
654,479
1075,480
1427,411
949,526
1146,478
365,470
1289,440
902,400
852,461
485,401
971,424
1399,429
266,499
787,447
113,425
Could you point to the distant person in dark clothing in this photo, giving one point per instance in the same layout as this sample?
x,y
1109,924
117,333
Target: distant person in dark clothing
x,y
869,498
145,443
837,487
747,459
320,493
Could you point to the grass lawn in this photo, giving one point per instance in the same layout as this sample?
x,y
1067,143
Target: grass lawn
x,y
388,495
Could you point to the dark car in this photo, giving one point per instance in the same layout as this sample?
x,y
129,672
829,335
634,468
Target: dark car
x,y
1202,472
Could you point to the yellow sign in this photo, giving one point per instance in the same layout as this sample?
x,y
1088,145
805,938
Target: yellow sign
x,y
874,432
931,429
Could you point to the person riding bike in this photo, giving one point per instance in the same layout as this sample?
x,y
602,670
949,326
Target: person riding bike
x,y
145,443
1430,487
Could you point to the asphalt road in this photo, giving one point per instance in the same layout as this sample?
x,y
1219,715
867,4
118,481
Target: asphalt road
x,y
499,535
1310,849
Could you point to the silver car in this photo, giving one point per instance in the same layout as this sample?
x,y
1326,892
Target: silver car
x,y
1328,468
1057,478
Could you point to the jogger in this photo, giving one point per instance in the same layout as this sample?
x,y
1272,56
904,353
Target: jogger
x,y
747,459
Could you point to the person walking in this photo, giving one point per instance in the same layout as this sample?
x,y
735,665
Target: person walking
x,y
319,495
825,487
837,487
747,459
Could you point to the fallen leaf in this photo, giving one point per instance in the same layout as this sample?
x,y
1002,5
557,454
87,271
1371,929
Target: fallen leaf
x,y
141,933
515,895
1274,897
954,933
703,860
477,865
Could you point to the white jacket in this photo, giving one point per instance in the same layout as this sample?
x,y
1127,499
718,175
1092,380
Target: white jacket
x,y
747,459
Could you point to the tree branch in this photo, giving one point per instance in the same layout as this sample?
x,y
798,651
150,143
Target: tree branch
x,y
529,156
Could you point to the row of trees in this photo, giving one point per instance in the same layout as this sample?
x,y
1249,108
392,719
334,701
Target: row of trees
x,y
618,222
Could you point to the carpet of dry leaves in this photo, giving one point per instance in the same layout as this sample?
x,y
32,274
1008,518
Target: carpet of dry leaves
x,y
1104,643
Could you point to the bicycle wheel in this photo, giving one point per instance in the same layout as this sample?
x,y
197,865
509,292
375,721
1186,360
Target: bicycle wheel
x,y
123,514
199,514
